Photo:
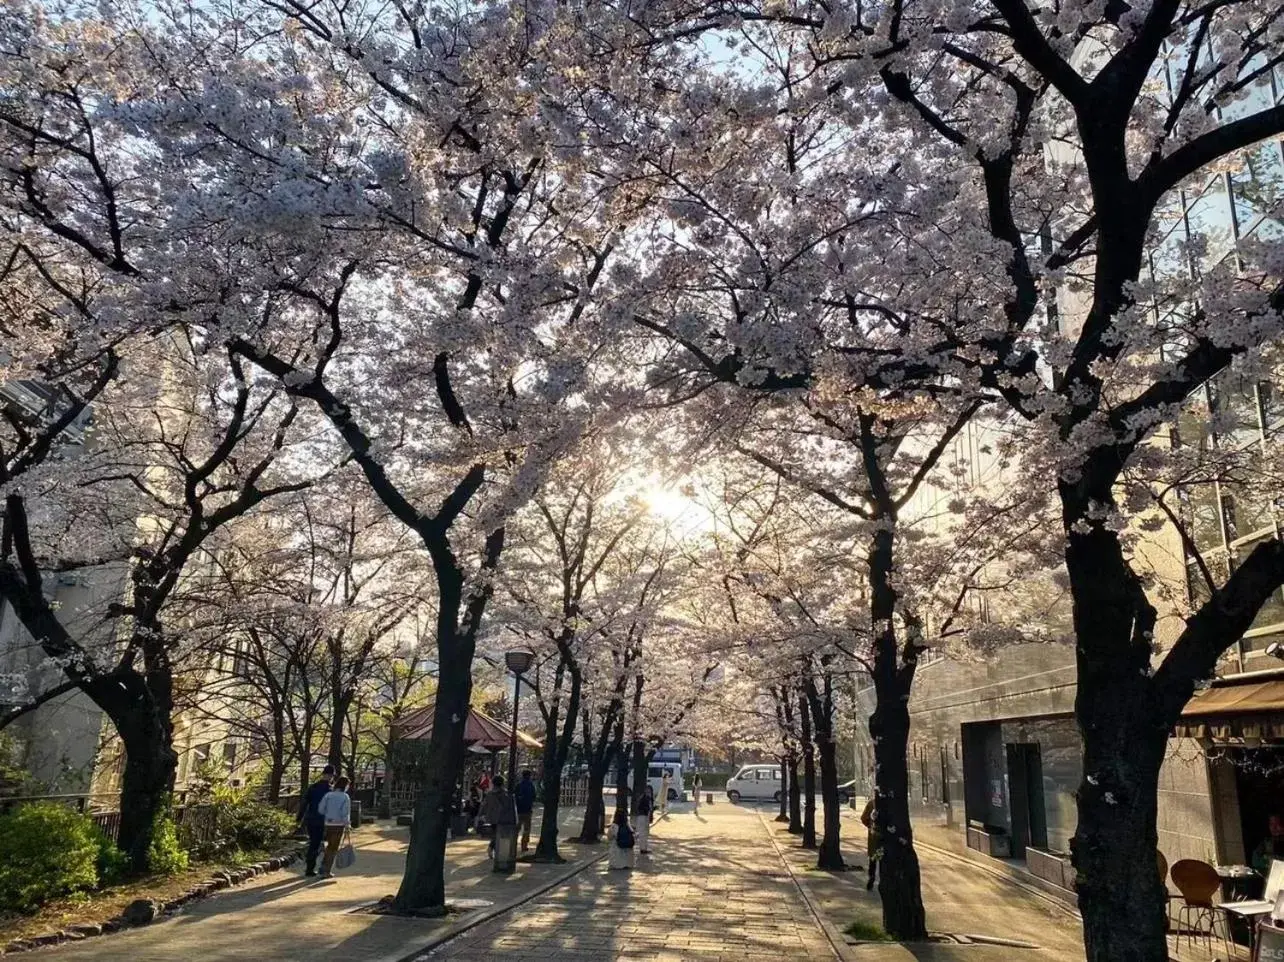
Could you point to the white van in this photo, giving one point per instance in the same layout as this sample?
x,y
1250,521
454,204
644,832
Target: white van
x,y
655,773
755,783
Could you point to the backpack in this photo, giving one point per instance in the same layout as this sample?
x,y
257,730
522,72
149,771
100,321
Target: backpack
x,y
624,836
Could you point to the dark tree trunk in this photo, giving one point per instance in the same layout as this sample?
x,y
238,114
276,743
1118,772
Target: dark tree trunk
x,y
821,703
146,731
546,847
560,738
599,764
641,758
1125,734
899,884
305,767
276,774
594,806
340,702
795,796
809,777
622,763
423,885
783,814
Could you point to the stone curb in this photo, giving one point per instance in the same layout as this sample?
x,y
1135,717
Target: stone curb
x,y
486,915
832,935
144,911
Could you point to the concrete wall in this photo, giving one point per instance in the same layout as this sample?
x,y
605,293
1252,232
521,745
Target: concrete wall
x,y
963,714
59,742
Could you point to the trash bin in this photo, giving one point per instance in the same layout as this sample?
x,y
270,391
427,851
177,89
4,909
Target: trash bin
x,y
505,848
354,817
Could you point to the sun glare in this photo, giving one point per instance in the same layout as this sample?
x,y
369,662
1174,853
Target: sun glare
x,y
676,506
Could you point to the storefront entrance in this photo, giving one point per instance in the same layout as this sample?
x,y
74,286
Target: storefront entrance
x,y
1259,784
1025,783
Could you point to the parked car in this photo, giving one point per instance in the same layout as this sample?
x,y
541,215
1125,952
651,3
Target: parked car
x,y
655,778
754,783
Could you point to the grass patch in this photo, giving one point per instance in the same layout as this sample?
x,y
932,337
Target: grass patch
x,y
867,932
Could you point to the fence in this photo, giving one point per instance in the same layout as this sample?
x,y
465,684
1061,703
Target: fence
x,y
574,790
197,823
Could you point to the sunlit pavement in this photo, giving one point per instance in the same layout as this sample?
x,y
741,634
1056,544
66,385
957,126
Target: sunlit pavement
x,y
713,890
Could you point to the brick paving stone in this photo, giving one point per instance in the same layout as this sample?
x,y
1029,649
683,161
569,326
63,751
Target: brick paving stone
x,y
713,890
283,917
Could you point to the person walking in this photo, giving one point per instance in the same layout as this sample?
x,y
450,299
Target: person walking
x,y
696,785
664,794
497,810
524,795
336,810
643,810
873,841
621,840
311,819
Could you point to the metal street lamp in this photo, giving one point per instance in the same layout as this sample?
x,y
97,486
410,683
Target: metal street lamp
x,y
519,662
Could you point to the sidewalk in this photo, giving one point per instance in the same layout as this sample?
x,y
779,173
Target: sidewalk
x,y
960,902
952,840
711,891
284,917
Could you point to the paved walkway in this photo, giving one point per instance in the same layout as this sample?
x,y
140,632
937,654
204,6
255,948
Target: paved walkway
x,y
713,890
961,899
283,917
725,886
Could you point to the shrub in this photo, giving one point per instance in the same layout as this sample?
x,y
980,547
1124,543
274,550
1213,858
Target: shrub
x,y
113,864
165,856
49,851
254,826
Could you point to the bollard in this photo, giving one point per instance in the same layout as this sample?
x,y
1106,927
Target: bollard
x,y
505,848
708,798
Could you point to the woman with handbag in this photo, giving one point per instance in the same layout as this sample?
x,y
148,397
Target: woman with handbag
x,y
336,809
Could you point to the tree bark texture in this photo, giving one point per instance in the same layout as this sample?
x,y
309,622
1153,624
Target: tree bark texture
x,y
795,795
558,735
146,732
899,883
423,885
821,702
1125,734
783,814
809,777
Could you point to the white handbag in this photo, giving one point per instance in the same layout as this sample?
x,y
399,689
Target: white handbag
x,y
347,855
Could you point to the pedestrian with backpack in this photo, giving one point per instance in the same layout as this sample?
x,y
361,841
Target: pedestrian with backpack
x,y
621,840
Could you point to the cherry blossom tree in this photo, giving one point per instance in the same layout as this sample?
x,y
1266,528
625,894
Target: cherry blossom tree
x,y
387,207
558,583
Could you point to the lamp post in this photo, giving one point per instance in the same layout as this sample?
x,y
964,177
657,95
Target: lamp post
x,y
518,661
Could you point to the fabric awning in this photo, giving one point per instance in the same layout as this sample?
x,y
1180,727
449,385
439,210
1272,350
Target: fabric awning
x,y
1251,710
1262,696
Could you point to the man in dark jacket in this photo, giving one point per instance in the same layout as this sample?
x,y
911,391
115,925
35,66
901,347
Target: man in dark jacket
x,y
525,798
313,820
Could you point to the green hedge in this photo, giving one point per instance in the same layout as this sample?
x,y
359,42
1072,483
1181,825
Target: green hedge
x,y
231,822
46,851
709,781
